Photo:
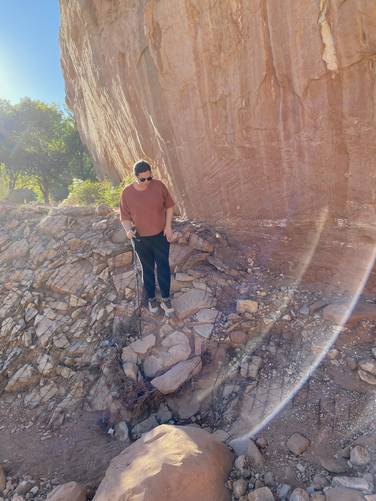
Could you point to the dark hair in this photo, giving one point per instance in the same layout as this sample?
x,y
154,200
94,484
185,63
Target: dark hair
x,y
141,166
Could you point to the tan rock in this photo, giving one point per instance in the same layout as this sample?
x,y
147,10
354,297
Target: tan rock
x,y
124,281
254,455
25,376
183,463
142,346
103,210
368,366
200,243
71,491
297,443
70,278
121,260
16,250
175,377
261,494
190,302
175,348
246,306
53,225
367,377
343,494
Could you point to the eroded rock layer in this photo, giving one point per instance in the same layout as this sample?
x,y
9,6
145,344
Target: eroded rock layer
x,y
258,109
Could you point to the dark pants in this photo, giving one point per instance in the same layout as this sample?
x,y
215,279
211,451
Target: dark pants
x,y
154,251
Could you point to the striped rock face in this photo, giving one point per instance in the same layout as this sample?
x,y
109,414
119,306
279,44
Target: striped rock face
x,y
248,110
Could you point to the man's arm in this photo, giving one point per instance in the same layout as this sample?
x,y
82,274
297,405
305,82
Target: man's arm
x,y
168,226
127,225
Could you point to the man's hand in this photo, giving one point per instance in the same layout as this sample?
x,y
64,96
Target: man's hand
x,y
130,234
168,233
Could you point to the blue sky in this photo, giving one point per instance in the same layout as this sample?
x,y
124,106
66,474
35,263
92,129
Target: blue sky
x,y
29,51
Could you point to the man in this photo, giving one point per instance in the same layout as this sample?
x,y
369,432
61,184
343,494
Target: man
x,y
146,209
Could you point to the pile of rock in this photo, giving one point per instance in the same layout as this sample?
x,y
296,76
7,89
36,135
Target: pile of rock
x,y
251,481
68,308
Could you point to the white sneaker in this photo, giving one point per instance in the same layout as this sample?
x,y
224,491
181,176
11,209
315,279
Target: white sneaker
x,y
153,306
167,306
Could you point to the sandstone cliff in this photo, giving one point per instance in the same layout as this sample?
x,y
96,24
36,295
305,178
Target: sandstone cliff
x,y
249,108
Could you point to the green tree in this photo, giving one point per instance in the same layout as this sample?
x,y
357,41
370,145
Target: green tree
x,y
39,141
10,144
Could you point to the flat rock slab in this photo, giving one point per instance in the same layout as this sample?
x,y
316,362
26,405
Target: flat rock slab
x,y
174,348
171,380
182,462
70,279
191,302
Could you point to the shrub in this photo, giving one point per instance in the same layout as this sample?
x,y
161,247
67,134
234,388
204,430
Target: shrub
x,y
94,192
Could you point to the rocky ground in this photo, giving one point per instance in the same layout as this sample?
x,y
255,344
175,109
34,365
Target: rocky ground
x,y
257,357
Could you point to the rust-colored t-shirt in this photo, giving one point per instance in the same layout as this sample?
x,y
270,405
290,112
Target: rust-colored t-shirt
x,y
146,209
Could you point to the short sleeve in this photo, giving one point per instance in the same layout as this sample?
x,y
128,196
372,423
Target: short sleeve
x,y
125,214
167,199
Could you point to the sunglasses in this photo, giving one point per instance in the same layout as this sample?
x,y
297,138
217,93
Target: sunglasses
x,y
143,179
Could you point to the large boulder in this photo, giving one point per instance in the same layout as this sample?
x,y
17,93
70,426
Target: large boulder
x,y
168,463
250,109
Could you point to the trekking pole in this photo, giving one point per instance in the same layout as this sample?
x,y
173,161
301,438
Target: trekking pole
x,y
138,300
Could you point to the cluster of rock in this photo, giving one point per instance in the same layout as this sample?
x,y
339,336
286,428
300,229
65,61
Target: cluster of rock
x,y
27,488
250,479
69,306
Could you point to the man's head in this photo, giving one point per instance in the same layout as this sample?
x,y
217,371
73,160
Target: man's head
x,y
142,171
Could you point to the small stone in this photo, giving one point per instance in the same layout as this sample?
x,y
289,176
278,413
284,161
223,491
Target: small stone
x,y
359,456
317,496
254,367
297,443
254,454
121,431
342,494
262,494
239,488
351,483
351,363
262,442
24,487
320,482
367,377
242,465
71,490
246,306
146,425
333,354
269,479
333,465
238,338
283,490
299,495
368,366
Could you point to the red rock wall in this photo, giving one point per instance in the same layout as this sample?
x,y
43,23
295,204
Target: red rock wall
x,y
248,108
